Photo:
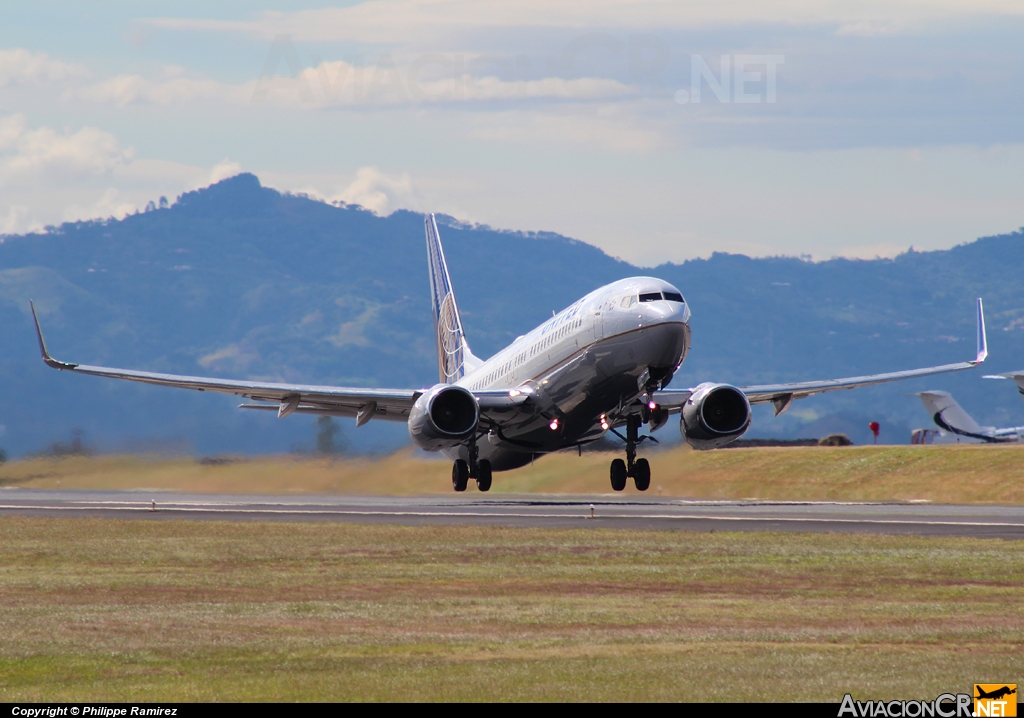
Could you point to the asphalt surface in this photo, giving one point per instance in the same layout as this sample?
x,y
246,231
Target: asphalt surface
x,y
598,511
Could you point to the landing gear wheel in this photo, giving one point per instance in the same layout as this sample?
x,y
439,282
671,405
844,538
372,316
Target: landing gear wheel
x,y
618,474
483,475
460,475
642,474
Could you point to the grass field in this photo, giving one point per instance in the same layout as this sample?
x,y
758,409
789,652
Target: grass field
x,y
954,474
104,610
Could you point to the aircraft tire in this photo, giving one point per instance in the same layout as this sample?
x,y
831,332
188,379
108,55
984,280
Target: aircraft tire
x,y
483,475
618,473
460,475
642,474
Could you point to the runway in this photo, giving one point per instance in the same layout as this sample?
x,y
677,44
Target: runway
x,y
540,511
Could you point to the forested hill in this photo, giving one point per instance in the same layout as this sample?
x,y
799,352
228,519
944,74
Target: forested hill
x,y
239,280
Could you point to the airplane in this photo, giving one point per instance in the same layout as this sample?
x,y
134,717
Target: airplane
x,y
996,694
950,417
602,364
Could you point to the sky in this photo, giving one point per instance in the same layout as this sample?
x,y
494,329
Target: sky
x,y
658,131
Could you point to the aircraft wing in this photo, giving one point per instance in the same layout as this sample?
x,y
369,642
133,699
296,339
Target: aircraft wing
x,y
673,399
782,395
362,404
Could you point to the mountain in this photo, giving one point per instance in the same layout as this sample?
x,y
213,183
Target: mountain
x,y
239,280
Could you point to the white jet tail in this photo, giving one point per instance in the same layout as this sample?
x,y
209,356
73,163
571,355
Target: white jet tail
x,y
454,358
950,416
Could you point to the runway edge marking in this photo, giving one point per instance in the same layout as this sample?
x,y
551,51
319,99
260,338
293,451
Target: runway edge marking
x,y
448,514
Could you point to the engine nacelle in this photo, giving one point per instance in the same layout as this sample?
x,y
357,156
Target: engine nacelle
x,y
443,416
714,415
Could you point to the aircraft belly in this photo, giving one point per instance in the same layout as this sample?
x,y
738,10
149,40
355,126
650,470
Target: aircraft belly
x,y
598,380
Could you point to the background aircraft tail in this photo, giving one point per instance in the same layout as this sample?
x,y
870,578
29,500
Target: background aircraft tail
x,y
950,416
454,358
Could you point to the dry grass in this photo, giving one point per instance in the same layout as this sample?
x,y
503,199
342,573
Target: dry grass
x,y
110,610
953,474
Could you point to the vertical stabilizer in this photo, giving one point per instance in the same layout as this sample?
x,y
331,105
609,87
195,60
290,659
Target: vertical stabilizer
x,y
454,358
950,416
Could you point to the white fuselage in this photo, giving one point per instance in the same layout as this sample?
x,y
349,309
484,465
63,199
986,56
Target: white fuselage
x,y
584,365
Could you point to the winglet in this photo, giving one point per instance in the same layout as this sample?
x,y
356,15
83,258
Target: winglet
x,y
982,340
49,360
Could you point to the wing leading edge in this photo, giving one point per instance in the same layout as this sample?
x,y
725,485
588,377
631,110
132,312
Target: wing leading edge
x,y
362,404
783,395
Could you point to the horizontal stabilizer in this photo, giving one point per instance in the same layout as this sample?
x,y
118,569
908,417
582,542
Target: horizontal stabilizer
x,y
1017,376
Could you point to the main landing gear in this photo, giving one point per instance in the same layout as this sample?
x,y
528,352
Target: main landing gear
x,y
463,471
639,469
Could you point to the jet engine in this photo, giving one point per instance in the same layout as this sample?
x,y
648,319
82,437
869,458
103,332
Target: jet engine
x,y
443,415
714,415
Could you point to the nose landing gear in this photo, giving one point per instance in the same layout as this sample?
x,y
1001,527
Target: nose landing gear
x,y
639,469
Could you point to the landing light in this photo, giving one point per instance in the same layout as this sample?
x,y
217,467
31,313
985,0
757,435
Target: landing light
x,y
554,424
652,405
514,393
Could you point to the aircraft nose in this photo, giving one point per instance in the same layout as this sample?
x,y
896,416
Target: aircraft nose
x,y
665,311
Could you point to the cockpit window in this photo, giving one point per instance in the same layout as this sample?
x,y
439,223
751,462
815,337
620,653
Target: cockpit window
x,y
650,297
627,302
674,297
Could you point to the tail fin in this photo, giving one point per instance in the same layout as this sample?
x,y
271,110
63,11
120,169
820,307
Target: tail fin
x,y
950,416
454,358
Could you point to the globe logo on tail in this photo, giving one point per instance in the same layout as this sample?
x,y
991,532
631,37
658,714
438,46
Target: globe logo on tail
x,y
449,342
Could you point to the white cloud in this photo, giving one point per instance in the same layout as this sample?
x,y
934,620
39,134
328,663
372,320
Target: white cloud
x,y
21,67
111,203
390,21
378,192
222,170
49,177
340,83
124,90
15,219
491,88
46,155
604,127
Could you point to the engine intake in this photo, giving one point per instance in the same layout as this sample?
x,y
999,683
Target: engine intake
x,y
443,416
715,415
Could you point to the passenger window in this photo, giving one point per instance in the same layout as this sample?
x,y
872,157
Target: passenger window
x,y
650,297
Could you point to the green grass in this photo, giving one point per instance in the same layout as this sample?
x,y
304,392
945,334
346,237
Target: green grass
x,y
950,474
137,610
